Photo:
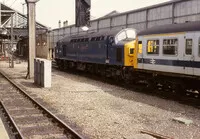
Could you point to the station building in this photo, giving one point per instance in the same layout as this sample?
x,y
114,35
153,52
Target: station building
x,y
11,18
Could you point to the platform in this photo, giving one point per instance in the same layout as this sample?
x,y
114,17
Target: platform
x,y
3,132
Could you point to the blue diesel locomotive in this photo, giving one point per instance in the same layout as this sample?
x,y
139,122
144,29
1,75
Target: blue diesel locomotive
x,y
109,53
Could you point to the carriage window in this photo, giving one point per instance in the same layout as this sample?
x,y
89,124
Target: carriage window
x,y
153,47
188,47
140,47
170,46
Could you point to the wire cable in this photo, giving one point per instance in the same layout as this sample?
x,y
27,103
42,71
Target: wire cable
x,y
13,3
6,1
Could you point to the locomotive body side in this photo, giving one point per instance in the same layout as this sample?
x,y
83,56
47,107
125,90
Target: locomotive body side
x,y
110,54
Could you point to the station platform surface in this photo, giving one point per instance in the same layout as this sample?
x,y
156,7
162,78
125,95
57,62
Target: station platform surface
x,y
3,132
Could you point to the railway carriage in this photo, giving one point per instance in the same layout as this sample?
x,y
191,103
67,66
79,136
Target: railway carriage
x,y
171,51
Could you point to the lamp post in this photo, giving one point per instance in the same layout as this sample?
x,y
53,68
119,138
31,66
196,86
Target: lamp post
x,y
12,43
32,36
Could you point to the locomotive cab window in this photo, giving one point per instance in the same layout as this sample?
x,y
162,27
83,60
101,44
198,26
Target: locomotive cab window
x,y
170,46
126,35
121,36
153,47
188,47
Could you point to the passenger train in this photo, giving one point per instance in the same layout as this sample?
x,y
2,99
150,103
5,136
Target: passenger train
x,y
166,55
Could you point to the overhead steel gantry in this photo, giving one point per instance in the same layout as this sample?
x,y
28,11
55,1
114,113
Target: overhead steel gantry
x,y
20,20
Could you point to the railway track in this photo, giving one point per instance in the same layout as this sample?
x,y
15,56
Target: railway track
x,y
27,118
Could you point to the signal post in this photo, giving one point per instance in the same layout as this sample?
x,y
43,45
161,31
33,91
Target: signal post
x,y
83,13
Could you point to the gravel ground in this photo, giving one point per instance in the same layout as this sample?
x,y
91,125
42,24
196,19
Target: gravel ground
x,y
103,111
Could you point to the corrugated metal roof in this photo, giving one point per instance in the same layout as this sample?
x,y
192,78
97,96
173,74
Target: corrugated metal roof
x,y
132,11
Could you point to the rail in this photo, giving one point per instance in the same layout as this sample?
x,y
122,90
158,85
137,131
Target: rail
x,y
66,128
16,130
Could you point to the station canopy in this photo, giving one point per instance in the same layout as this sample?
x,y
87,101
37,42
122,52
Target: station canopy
x,y
19,23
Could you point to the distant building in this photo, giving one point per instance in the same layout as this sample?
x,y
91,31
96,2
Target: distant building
x,y
111,14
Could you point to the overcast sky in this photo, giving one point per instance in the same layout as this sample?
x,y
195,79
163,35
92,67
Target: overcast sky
x,y
49,12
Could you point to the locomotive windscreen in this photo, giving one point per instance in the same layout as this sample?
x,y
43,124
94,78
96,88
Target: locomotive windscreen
x,y
126,35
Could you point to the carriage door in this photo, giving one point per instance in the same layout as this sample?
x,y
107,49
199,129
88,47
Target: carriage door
x,y
197,55
140,54
188,54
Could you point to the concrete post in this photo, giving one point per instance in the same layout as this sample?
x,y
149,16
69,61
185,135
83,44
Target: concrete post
x,y
32,36
12,41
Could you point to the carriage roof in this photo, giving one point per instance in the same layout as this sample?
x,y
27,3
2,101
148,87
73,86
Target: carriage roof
x,y
172,28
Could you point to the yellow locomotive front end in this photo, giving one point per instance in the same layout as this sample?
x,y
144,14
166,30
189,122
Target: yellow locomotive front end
x,y
129,49
129,38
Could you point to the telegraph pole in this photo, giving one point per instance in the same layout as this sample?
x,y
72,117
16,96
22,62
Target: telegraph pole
x,y
32,36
